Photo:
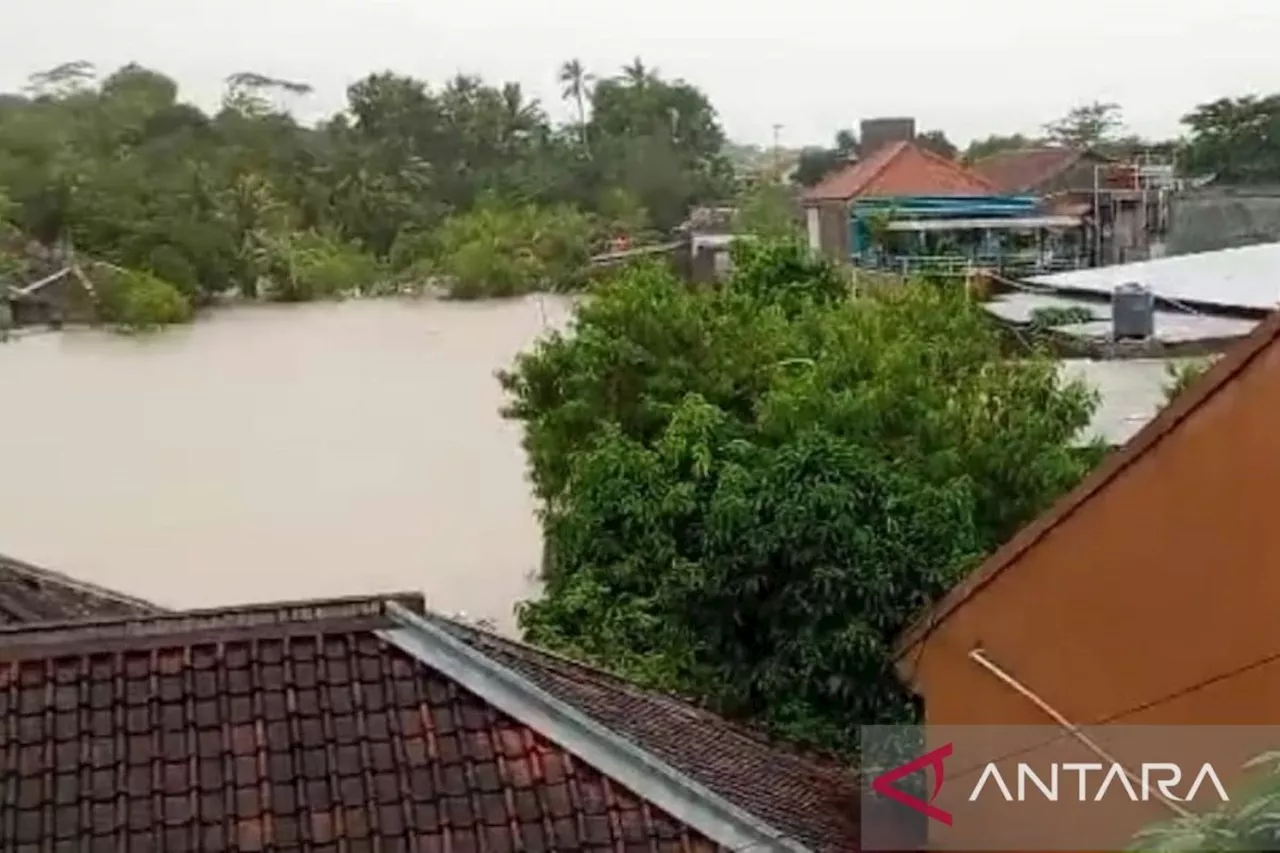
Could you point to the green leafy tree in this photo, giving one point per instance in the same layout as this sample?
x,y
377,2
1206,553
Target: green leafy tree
x,y
1086,125
748,491
1235,139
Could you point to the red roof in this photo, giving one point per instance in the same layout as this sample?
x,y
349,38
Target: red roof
x,y
900,169
1027,169
364,725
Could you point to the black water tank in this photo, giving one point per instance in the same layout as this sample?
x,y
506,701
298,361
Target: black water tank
x,y
1133,312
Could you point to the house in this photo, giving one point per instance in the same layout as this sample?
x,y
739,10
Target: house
x,y
904,207
1124,202
370,724
1145,597
31,594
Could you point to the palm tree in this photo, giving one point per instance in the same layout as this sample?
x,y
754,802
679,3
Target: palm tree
x,y
637,74
575,82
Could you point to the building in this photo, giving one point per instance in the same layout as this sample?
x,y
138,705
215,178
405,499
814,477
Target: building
x,y
1123,203
1144,597
370,724
908,209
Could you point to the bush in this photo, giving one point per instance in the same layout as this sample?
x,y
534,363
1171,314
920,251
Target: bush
x,y
138,301
306,265
749,491
497,251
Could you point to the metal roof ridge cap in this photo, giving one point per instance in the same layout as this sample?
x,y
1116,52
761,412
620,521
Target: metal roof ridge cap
x,y
649,777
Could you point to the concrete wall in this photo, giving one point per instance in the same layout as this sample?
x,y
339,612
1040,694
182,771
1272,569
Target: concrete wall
x,y
1130,607
1223,218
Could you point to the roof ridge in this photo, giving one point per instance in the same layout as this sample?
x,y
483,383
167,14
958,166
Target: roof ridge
x,y
1169,419
43,575
887,155
176,623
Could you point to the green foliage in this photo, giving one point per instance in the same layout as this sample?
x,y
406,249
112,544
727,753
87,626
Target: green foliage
x,y
1181,375
1235,139
1053,316
1249,822
247,199
748,491
137,301
768,210
497,251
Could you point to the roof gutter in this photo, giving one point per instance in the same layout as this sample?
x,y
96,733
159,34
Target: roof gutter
x,y
650,778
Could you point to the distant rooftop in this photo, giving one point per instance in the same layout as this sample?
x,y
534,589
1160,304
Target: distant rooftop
x,y
1173,326
1245,278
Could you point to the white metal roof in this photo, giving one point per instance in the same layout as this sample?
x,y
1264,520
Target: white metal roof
x,y
1171,324
1247,277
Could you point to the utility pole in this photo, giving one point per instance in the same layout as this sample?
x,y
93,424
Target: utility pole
x,y
777,150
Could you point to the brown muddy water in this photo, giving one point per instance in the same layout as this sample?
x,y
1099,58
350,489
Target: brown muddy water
x,y
277,452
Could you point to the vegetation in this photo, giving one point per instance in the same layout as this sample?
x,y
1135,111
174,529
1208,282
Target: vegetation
x,y
467,181
1053,316
749,491
1181,375
1248,822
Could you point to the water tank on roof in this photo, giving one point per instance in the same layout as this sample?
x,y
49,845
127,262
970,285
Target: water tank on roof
x,y
1133,312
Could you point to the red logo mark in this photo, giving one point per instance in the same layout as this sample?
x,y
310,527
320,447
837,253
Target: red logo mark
x,y
883,784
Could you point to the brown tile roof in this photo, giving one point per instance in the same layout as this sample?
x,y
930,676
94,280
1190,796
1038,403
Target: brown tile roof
x,y
1265,336
1027,169
363,725
31,594
900,169
809,797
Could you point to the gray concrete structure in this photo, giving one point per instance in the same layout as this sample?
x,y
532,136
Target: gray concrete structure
x,y
1211,218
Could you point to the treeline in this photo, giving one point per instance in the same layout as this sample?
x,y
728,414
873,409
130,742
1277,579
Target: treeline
x,y
467,182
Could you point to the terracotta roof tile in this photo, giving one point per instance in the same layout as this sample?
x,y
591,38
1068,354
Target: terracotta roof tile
x,y
813,798
31,594
1026,169
299,727
900,169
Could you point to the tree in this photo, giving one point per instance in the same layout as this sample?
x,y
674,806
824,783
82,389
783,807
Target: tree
x,y
814,164
749,499
575,84
996,143
937,142
1235,139
1086,125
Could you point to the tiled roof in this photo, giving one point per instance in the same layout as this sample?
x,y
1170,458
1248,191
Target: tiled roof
x,y
811,798
1025,169
900,169
31,594
361,725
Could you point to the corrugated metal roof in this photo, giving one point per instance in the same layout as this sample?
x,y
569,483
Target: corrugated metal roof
x,y
1246,277
1132,391
1171,325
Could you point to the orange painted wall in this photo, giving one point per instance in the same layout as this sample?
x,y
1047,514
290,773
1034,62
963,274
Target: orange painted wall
x,y
1168,577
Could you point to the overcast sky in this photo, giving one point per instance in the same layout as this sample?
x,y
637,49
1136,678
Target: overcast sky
x,y
970,67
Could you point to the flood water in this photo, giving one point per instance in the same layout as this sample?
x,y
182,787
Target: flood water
x,y
278,452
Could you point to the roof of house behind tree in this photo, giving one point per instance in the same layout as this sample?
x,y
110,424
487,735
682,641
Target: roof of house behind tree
x,y
900,169
31,594
1026,169
366,724
1172,417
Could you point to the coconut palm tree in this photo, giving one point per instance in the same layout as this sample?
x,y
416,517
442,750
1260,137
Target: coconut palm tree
x,y
637,74
575,83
